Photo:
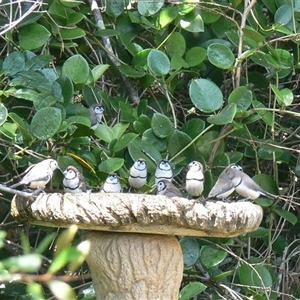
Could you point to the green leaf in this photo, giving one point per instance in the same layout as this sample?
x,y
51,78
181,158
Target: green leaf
x,y
67,89
195,56
142,124
167,15
3,114
267,182
177,141
287,96
190,250
71,33
131,72
105,133
253,34
115,8
98,71
255,276
161,125
175,44
124,141
192,289
37,62
77,68
46,122
33,36
14,63
61,290
220,56
137,149
111,165
211,256
158,62
119,129
21,125
205,95
242,97
193,127
225,116
148,8
284,14
23,263
35,290
286,215
192,22
159,144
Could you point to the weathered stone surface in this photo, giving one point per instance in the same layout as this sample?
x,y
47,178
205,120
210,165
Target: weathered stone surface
x,y
135,266
139,213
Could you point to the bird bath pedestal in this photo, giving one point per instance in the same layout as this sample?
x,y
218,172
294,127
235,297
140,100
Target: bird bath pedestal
x,y
134,253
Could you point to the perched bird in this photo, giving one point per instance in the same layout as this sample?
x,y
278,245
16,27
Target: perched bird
x,y
245,186
194,179
224,185
167,188
138,174
233,179
38,175
74,182
112,184
163,171
96,114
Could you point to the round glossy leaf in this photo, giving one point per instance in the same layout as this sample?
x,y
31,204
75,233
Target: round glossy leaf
x,y
138,148
33,36
115,8
3,114
205,95
13,63
190,250
284,14
211,256
159,144
167,15
220,56
161,125
190,290
177,141
124,141
77,68
195,56
209,17
256,275
225,116
267,183
46,122
158,62
111,165
72,33
148,8
140,59
175,44
242,97
192,23
98,71
287,96
105,133
193,127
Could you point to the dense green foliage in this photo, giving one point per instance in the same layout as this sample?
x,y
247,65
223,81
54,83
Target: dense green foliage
x,y
214,81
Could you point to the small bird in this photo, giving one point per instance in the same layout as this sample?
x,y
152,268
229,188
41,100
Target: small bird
x,y
233,179
167,188
38,175
138,174
163,171
194,179
224,185
74,182
96,114
112,184
246,186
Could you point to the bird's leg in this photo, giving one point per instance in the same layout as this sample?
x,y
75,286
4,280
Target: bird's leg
x,y
244,199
